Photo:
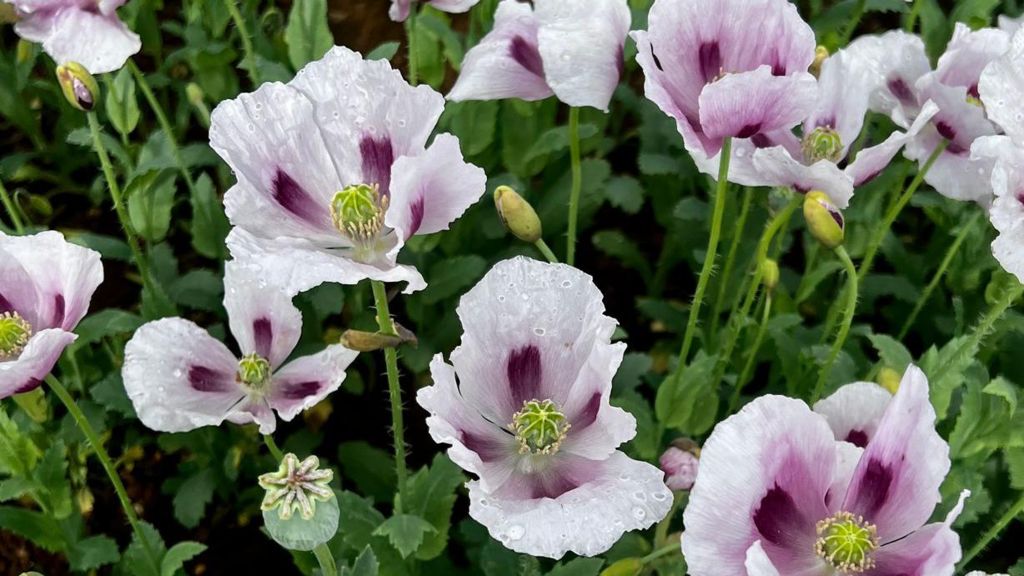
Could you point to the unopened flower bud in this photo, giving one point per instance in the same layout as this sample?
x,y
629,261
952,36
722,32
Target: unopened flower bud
x,y
820,55
624,567
824,220
79,87
517,214
361,341
680,468
770,273
889,379
194,94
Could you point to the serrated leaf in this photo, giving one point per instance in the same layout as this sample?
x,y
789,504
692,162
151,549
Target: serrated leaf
x,y
53,489
893,354
37,527
556,140
359,520
110,393
405,532
192,498
372,469
1004,389
385,51
1015,462
150,199
135,561
431,493
176,557
210,225
365,565
199,289
307,34
121,103
625,193
688,400
18,454
93,552
104,323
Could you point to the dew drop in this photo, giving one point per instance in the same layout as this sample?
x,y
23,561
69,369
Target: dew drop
x,y
516,532
639,513
539,331
659,496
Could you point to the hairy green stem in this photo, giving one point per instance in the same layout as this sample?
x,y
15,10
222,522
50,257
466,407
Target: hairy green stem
x,y
115,195
577,184
386,327
849,309
911,22
108,466
730,260
410,35
12,210
546,250
712,251
247,48
748,368
985,325
272,447
1016,510
939,273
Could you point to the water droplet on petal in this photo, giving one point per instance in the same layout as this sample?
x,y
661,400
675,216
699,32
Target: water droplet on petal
x,y
639,513
516,532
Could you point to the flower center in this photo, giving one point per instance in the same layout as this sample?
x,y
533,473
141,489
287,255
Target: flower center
x,y
14,334
254,372
540,427
846,542
296,486
823,143
358,211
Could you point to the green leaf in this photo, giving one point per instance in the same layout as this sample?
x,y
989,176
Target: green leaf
x,y
372,469
617,245
625,193
150,199
578,567
1004,389
18,454
209,224
893,354
53,489
104,323
37,527
121,104
474,123
135,561
945,369
13,488
448,277
307,35
556,140
385,51
365,565
405,532
1015,462
659,164
192,498
199,289
359,519
688,400
176,557
110,393
93,552
431,493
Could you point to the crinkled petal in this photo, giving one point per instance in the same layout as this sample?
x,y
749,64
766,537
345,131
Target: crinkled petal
x,y
892,64
432,190
507,62
764,475
286,179
100,43
298,265
262,317
478,445
745,104
967,55
65,276
580,43
855,411
304,382
1002,90
870,161
598,428
180,378
619,495
933,550
778,168
35,362
896,484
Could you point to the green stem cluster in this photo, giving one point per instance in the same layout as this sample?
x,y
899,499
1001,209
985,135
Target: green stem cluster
x,y
748,367
12,210
849,308
544,249
386,327
410,34
577,184
730,260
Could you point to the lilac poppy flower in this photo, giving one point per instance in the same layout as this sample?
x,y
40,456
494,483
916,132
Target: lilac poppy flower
x,y
334,174
84,31
400,8
46,284
525,408
569,48
1002,90
777,493
729,68
180,378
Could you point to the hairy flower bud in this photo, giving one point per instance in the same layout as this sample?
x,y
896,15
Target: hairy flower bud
x,y
824,220
79,87
361,341
770,273
680,468
517,214
820,55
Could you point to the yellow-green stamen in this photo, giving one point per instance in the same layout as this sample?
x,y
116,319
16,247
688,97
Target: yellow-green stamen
x,y
539,427
14,334
823,143
254,372
846,542
358,211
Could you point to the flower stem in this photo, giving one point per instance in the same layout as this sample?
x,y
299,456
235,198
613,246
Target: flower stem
x,y
410,35
115,194
661,530
984,326
384,324
915,11
752,359
853,22
723,280
108,466
940,273
712,251
165,125
326,560
12,210
272,446
663,551
546,250
844,329
247,48
577,184
999,526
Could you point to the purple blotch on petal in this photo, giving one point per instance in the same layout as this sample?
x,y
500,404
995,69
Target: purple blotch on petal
x,y
589,413
378,156
486,448
58,310
761,141
901,91
263,336
415,217
524,372
205,379
300,390
874,488
29,385
778,519
553,486
1020,198
710,58
5,305
290,196
526,55
749,131
858,438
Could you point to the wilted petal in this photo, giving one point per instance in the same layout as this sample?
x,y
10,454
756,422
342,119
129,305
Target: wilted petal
x,y
1002,90
580,42
746,104
855,411
603,500
892,64
262,317
180,378
35,362
764,475
896,484
778,168
305,381
507,62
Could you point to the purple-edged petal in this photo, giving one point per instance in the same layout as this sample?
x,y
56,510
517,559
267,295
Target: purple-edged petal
x,y
855,411
399,11
180,378
305,381
580,42
778,168
478,445
286,179
1002,90
432,190
870,161
599,501
955,174
764,475
1007,211
297,265
892,63
262,317
65,276
507,62
367,113
746,104
28,370
896,485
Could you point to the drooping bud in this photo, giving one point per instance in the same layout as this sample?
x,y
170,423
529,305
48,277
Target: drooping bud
x,y
625,567
823,143
372,341
824,220
517,214
304,488
889,379
769,273
680,468
79,87
820,55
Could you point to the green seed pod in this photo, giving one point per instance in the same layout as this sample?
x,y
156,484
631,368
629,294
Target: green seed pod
x,y
770,273
824,220
300,509
79,87
624,567
517,214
